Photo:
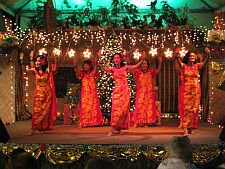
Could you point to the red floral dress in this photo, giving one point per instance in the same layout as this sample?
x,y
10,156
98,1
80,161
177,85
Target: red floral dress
x,y
120,100
189,96
145,107
90,112
44,111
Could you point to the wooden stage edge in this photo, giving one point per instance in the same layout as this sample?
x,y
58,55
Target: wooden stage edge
x,y
70,134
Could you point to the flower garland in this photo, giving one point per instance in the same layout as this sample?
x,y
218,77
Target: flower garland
x,y
63,154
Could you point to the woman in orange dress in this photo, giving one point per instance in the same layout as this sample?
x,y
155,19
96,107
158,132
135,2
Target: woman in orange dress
x,y
180,89
145,108
44,112
90,112
121,94
190,92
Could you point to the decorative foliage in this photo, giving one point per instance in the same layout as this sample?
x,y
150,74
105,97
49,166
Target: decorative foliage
x,y
130,152
203,155
64,154
169,15
66,3
7,42
122,15
37,21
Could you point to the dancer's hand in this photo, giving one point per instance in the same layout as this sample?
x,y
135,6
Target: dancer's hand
x,y
99,54
177,50
176,53
32,55
207,50
75,63
143,56
160,59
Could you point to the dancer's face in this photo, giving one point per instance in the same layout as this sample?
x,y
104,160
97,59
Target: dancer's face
x,y
192,57
144,65
117,59
38,62
87,67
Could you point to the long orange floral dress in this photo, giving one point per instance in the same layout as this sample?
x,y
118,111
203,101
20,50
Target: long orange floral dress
x,y
44,102
180,97
189,99
90,112
145,107
120,100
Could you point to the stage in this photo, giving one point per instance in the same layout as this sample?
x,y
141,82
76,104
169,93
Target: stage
x,y
70,134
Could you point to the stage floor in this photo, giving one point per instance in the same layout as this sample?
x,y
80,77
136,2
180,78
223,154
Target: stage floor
x,y
69,134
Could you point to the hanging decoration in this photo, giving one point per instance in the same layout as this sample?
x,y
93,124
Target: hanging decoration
x,y
153,52
87,54
71,39
71,53
168,53
137,54
57,51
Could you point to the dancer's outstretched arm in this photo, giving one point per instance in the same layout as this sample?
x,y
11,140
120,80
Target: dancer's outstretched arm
x,y
130,67
159,67
202,64
31,69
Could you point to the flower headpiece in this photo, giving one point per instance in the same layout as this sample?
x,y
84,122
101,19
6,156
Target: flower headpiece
x,y
43,59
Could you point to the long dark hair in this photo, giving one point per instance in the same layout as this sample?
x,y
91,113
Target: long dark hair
x,y
186,57
89,63
122,63
44,60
